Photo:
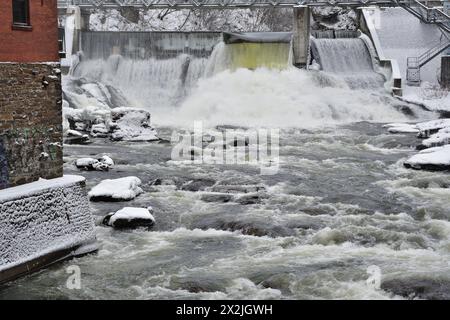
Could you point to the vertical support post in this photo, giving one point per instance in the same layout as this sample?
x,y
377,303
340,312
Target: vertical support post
x,y
445,59
81,23
300,37
445,71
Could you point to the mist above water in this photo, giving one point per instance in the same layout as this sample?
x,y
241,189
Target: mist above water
x,y
282,98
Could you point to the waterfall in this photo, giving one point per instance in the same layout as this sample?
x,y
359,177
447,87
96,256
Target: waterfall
x,y
226,85
348,58
250,56
149,69
146,83
147,45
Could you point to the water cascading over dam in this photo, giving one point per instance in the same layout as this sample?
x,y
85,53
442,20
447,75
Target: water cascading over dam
x,y
241,80
347,58
151,69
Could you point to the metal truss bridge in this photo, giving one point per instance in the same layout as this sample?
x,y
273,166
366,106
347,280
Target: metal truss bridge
x,y
157,4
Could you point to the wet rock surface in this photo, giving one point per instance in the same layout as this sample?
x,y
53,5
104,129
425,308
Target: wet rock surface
x,y
417,288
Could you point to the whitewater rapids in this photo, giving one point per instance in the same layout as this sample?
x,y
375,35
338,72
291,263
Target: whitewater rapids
x,y
274,98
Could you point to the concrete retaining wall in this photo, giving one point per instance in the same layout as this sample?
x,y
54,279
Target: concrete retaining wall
x,y
43,222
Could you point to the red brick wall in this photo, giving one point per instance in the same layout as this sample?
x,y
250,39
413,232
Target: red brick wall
x,y
38,45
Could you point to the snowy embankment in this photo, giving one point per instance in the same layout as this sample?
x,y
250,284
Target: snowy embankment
x,y
432,97
435,146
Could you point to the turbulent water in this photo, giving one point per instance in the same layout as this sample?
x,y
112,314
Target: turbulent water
x,y
340,203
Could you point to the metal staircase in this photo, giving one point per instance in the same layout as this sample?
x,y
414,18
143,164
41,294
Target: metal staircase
x,y
430,15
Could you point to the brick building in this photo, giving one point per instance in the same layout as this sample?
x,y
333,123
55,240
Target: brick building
x,y
30,92
41,222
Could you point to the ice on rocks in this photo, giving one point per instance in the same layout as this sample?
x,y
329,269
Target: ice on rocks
x,y
401,128
130,218
131,125
122,189
99,130
442,137
102,164
74,133
429,127
437,158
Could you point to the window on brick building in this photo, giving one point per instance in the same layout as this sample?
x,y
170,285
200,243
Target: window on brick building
x,y
21,13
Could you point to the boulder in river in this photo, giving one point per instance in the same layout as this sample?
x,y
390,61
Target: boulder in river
x,y
130,218
197,185
430,127
434,159
102,164
130,124
401,128
442,137
216,197
421,288
122,189
75,137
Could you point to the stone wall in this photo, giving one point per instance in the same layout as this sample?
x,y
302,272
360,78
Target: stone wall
x,y
30,122
43,222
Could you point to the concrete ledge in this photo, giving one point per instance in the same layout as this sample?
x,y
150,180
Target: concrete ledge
x,y
42,223
391,65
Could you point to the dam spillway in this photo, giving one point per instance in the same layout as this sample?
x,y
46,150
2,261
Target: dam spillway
x,y
348,58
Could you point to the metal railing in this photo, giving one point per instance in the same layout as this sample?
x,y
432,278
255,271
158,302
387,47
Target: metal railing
x,y
431,15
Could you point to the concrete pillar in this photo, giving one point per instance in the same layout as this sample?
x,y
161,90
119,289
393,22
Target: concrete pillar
x,y
300,37
445,71
81,23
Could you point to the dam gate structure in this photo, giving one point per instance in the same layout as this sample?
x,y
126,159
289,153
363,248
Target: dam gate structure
x,y
429,12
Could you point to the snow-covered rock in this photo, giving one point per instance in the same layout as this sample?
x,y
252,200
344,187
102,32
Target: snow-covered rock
x,y
437,158
99,130
122,189
75,137
102,164
442,137
129,124
85,163
429,127
73,133
401,128
130,218
106,160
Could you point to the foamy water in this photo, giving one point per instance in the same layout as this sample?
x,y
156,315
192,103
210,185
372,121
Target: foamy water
x,y
340,203
287,98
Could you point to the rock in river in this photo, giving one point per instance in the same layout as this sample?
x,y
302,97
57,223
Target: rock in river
x,y
130,218
122,189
